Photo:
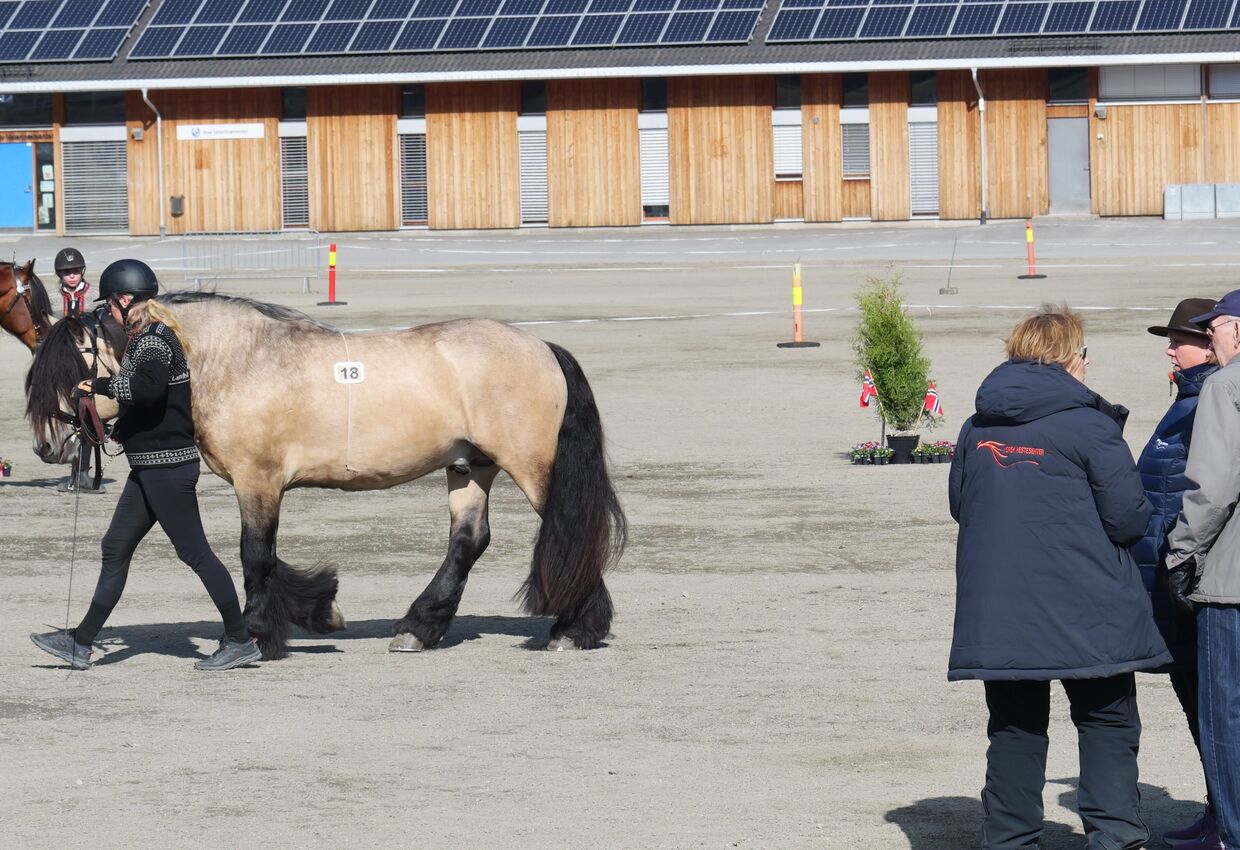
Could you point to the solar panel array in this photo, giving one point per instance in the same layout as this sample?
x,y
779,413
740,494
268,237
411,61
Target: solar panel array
x,y
221,28
847,20
66,30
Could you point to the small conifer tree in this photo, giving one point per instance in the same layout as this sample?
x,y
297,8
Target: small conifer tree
x,y
888,345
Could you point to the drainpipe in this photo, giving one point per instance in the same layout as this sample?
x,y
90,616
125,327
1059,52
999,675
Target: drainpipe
x,y
159,152
981,108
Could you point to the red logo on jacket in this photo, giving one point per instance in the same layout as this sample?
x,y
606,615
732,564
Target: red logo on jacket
x,y
1008,456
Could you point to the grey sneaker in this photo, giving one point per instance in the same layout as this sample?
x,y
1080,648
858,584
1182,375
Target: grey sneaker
x,y
231,654
64,647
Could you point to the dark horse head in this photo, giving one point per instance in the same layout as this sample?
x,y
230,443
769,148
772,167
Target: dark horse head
x,y
72,351
25,309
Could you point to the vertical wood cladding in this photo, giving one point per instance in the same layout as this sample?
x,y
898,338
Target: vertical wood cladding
x,y
1142,149
472,158
593,153
1223,143
1016,142
143,159
890,198
227,184
789,200
960,147
720,149
352,158
856,198
820,146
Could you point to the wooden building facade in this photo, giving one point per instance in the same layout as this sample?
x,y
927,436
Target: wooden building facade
x,y
725,149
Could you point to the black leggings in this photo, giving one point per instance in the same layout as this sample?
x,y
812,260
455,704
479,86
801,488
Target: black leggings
x,y
167,495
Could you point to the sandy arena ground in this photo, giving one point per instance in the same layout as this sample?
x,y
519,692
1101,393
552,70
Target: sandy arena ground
x,y
777,673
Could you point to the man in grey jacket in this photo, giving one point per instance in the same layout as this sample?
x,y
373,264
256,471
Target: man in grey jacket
x,y
1203,563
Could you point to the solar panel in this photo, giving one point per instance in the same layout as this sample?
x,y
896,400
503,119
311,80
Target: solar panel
x,y
65,30
848,20
382,26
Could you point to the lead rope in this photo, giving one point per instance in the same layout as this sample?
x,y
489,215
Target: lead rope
x,y
77,498
348,410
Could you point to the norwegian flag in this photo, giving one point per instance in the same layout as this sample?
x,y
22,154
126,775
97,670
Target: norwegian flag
x,y
932,405
868,390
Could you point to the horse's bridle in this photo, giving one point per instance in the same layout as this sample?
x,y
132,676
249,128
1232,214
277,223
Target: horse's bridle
x,y
87,425
21,292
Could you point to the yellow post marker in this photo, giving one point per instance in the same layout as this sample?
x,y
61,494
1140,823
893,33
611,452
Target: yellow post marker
x,y
798,336
1033,272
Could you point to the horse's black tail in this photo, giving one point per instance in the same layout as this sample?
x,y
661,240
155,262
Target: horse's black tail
x,y
583,528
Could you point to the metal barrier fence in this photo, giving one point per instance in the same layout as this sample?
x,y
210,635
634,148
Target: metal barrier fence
x,y
212,259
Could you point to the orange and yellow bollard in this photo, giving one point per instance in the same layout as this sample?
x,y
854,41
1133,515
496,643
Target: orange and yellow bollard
x,y
1033,271
331,280
798,333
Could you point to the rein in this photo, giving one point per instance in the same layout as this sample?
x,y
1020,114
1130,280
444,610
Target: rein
x,y
87,426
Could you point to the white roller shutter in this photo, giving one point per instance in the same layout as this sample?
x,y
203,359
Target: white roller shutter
x,y
923,166
533,148
787,151
294,182
1225,80
413,203
855,147
653,142
95,183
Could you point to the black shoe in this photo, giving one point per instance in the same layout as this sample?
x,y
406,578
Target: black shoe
x,y
231,654
65,647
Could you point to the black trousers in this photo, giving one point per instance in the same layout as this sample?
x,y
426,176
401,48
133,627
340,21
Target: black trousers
x,y
1108,733
169,496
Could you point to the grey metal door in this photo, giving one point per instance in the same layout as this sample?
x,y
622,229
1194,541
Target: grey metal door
x,y
1068,143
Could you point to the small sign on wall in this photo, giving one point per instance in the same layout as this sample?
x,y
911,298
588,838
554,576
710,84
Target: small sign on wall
x,y
216,132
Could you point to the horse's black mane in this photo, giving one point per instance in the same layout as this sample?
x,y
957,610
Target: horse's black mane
x,y
58,366
271,311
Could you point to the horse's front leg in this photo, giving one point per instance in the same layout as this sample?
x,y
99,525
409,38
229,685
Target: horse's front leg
x,y
278,595
428,618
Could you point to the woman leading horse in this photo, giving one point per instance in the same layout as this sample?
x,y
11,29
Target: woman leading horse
x,y
282,401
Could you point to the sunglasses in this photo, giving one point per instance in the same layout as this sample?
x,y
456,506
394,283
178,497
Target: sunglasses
x,y
1084,352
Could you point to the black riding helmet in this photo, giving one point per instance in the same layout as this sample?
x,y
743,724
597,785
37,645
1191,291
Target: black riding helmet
x,y
69,258
128,276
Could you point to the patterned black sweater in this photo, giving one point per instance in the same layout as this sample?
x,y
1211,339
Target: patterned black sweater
x,y
157,414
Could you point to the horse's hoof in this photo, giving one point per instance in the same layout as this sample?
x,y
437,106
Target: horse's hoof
x,y
405,643
336,620
561,643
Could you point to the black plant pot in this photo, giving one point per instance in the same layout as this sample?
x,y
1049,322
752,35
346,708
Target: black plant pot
x,y
903,446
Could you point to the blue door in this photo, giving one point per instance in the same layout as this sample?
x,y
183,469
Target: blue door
x,y
16,186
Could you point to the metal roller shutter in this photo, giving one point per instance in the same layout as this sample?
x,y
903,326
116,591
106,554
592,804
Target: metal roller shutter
x,y
653,144
787,151
923,167
96,186
294,182
533,148
855,147
413,203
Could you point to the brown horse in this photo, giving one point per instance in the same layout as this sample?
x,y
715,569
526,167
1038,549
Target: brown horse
x,y
25,309
282,401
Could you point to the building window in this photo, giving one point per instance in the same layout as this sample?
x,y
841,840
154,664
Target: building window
x,y
1225,80
654,94
923,88
788,91
103,107
25,110
293,104
1068,85
855,145
1150,82
413,101
856,90
533,97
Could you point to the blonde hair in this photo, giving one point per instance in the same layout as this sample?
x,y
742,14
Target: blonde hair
x,y
153,311
1054,334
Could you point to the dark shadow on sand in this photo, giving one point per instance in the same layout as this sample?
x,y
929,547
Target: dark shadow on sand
x,y
177,639
955,823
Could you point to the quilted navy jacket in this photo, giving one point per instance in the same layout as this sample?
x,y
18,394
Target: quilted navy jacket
x,y
1048,500
1161,465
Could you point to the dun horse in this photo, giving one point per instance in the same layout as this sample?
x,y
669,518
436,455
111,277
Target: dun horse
x,y
282,401
25,309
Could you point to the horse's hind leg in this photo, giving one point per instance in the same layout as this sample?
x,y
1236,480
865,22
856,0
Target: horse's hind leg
x,y
278,595
428,618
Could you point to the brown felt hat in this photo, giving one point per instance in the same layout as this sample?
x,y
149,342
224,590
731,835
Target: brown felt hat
x,y
1185,310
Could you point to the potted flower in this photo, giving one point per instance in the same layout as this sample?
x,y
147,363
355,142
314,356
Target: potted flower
x,y
863,452
883,455
6,467
922,453
887,346
943,450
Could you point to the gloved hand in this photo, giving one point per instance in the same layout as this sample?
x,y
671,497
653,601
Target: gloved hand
x,y
1180,583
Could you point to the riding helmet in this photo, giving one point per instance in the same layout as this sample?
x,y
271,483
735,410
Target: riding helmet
x,y
69,258
128,276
